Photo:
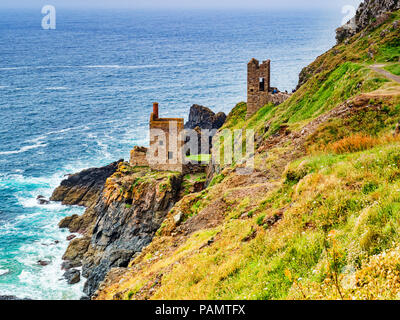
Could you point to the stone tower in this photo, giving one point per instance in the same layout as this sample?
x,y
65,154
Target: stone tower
x,y
258,85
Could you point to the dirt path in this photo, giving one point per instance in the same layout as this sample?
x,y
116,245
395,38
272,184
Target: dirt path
x,y
387,74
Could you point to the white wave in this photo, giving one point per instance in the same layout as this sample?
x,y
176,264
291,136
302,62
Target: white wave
x,y
13,68
56,88
117,66
25,148
4,271
4,87
100,66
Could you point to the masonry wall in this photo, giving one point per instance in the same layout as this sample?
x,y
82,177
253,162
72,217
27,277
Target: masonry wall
x,y
257,94
161,147
139,157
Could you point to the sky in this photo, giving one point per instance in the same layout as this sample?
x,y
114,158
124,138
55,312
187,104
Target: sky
x,y
185,4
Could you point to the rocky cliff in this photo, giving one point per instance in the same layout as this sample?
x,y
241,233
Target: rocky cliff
x,y
370,12
126,207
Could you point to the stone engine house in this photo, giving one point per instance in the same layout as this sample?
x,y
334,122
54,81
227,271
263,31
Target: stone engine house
x,y
166,144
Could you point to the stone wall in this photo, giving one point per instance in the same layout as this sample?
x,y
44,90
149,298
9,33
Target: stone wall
x,y
166,143
258,85
139,157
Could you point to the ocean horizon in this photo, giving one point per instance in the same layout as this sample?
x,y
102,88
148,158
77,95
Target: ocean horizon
x,y
80,96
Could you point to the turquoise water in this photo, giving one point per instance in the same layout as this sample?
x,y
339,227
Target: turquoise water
x,y
80,96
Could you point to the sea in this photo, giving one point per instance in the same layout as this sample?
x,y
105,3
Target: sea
x,y
80,96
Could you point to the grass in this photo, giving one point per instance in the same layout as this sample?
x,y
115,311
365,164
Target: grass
x,y
329,197
393,68
200,158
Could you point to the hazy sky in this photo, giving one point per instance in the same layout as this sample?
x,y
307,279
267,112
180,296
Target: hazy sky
x,y
184,4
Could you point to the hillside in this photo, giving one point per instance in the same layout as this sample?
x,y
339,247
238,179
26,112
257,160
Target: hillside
x,y
319,217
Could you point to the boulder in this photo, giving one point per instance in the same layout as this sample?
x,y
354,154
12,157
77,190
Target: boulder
x,y
43,263
42,200
65,223
73,276
76,249
71,237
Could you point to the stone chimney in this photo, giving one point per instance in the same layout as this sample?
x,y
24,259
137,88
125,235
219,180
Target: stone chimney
x,y
155,110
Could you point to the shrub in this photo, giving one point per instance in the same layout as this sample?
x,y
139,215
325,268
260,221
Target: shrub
x,y
260,220
355,143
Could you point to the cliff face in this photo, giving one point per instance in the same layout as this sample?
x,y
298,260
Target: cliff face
x,y
369,12
130,207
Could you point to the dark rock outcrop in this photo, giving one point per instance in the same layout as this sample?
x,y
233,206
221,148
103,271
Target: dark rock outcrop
x,y
43,263
370,12
204,118
42,200
84,188
73,276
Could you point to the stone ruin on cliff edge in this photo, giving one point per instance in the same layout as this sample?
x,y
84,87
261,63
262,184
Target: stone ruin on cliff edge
x,y
166,143
166,151
259,90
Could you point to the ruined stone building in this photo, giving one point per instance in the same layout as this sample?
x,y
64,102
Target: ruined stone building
x,y
258,85
166,144
259,90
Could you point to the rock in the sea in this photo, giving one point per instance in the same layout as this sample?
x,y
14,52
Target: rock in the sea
x,y
76,249
84,188
66,265
43,263
66,222
42,200
71,237
73,276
